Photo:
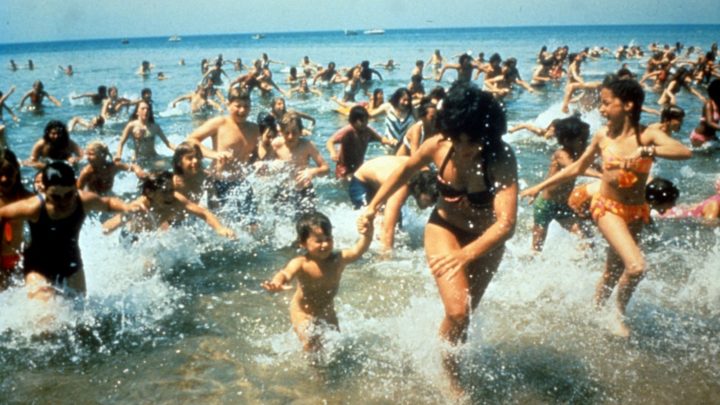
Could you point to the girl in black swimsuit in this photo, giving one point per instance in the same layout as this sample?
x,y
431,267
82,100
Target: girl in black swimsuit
x,y
477,208
55,217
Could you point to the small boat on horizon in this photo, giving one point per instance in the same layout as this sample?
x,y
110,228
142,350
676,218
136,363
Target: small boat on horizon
x,y
376,31
350,32
258,36
174,38
124,41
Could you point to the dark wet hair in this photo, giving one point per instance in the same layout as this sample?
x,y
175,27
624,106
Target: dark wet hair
x,y
426,103
308,221
358,113
238,95
8,157
265,121
57,173
471,111
627,90
713,91
424,182
661,191
102,91
397,95
464,58
625,73
161,181
437,93
495,58
671,112
567,130
290,120
375,94
151,115
183,149
63,139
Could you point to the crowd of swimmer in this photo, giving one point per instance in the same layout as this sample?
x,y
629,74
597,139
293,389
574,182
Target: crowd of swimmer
x,y
445,149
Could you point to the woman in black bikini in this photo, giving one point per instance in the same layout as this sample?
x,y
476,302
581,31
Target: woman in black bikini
x,y
477,208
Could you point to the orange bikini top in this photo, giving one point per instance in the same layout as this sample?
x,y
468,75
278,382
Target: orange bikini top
x,y
628,168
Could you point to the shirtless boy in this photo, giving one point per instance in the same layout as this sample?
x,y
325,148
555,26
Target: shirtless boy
x,y
318,272
234,141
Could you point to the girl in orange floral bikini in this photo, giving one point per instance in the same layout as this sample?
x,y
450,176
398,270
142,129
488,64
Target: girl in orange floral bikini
x,y
619,208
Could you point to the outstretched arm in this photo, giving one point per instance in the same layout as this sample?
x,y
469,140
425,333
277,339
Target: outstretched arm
x,y
361,246
280,280
123,139
206,130
204,214
53,99
577,168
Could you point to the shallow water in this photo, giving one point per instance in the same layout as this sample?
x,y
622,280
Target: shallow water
x,y
180,317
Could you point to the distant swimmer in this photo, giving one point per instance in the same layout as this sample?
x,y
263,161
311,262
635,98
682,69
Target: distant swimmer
x,y
199,100
36,96
96,98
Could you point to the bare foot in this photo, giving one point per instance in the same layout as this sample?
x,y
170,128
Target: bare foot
x,y
618,327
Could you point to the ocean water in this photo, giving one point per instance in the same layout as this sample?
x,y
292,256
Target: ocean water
x,y
179,317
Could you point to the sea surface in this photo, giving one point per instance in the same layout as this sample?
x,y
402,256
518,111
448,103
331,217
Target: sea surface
x,y
179,316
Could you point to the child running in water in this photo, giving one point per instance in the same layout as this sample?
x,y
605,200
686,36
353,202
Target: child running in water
x,y
318,272
163,208
619,208
55,217
11,239
297,152
99,174
572,135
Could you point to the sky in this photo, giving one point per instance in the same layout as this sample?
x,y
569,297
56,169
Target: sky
x,y
53,20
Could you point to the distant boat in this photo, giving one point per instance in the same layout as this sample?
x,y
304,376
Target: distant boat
x,y
350,32
175,38
124,42
375,31
258,36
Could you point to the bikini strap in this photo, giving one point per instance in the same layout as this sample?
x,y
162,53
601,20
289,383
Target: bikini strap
x,y
445,161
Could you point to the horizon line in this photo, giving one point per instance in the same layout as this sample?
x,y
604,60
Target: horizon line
x,y
353,29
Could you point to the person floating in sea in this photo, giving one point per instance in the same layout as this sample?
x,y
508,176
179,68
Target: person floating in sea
x,y
318,274
96,98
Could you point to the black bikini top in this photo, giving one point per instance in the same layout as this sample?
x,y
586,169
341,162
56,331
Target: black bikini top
x,y
478,199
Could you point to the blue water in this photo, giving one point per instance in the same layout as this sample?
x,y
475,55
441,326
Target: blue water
x,y
198,329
